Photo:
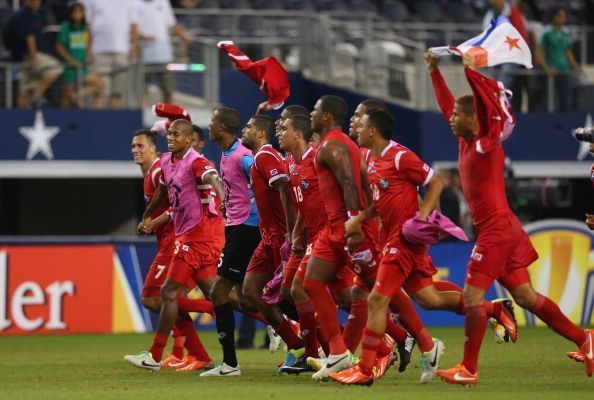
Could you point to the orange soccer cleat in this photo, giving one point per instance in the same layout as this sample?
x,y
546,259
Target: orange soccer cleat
x,y
194,364
458,375
382,364
587,351
507,318
353,376
576,356
172,362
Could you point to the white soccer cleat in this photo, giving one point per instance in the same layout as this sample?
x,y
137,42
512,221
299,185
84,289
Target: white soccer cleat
x,y
332,364
275,339
498,331
222,370
430,361
144,360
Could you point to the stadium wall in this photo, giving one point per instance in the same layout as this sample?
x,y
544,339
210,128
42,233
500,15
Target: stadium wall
x,y
51,286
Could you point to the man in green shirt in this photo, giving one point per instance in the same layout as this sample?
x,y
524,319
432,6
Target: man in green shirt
x,y
556,57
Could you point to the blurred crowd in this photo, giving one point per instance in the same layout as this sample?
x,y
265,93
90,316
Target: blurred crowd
x,y
89,47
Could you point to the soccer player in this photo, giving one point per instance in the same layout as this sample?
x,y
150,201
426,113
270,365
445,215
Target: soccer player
x,y
144,152
242,235
503,250
193,258
394,175
277,217
294,135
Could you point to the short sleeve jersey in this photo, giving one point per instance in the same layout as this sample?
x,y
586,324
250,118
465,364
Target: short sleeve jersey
x,y
394,178
268,167
305,192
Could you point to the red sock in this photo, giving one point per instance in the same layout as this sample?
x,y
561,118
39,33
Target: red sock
x,y
551,315
195,305
353,329
327,315
193,343
474,330
492,309
159,343
285,331
258,316
445,286
370,343
401,304
309,334
383,349
396,331
323,341
178,343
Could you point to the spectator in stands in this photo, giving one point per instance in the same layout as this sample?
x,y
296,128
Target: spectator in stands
x,y
507,73
72,45
156,22
556,56
39,70
114,44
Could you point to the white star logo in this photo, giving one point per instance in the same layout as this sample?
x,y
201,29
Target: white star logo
x,y
584,149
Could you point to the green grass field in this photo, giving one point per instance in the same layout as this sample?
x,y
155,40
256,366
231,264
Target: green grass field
x,y
91,367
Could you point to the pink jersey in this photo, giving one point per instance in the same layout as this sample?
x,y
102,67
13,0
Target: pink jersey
x,y
268,167
184,197
237,189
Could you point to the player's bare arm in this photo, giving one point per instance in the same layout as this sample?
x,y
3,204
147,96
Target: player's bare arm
x,y
298,236
335,155
216,182
158,199
431,200
282,186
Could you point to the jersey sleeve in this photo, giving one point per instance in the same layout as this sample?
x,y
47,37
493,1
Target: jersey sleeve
x,y
157,177
271,167
202,167
444,97
412,167
493,111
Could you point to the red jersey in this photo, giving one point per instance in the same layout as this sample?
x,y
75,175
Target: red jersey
x,y
268,167
305,192
394,178
481,158
164,233
330,189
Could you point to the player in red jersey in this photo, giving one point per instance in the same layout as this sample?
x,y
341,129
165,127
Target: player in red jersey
x,y
277,217
294,135
503,250
145,154
193,257
394,175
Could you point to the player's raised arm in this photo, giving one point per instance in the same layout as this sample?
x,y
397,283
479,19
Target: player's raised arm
x,y
335,156
444,97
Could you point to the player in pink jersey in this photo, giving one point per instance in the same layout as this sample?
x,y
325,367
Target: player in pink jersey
x,y
503,250
193,258
145,154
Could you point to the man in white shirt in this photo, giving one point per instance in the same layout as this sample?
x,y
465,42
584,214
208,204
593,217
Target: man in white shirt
x,y
156,22
114,43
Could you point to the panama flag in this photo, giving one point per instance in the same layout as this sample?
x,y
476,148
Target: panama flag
x,y
501,43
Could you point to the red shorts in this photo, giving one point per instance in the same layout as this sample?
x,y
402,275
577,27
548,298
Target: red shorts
x,y
289,270
330,247
266,259
397,265
345,277
421,277
192,262
218,234
502,252
156,275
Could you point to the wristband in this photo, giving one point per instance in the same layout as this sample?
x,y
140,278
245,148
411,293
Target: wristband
x,y
169,215
351,213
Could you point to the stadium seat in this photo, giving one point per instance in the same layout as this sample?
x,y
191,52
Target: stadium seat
x,y
460,12
268,4
396,11
236,4
344,61
429,11
212,4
